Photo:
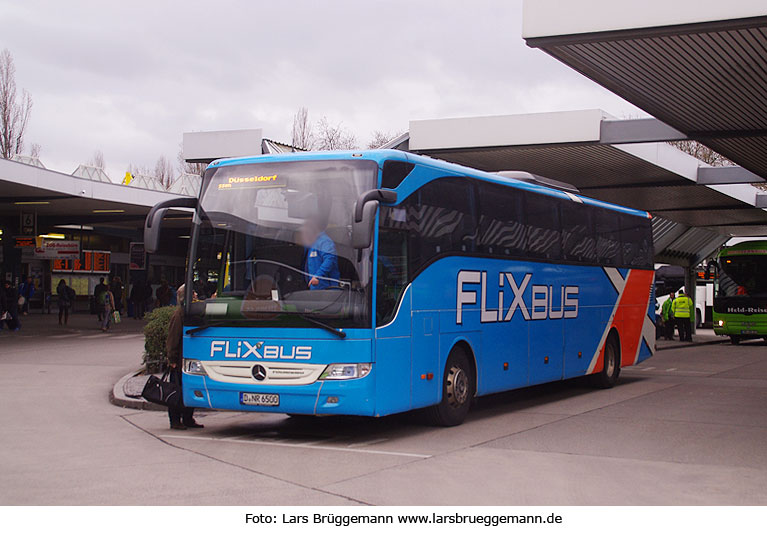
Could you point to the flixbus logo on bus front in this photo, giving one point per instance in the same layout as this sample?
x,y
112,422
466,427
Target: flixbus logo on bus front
x,y
546,302
244,349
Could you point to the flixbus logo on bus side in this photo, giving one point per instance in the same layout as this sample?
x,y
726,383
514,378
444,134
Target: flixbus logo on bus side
x,y
546,302
244,349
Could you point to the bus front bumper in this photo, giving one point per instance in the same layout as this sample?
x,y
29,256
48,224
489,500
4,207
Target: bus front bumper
x,y
742,327
346,396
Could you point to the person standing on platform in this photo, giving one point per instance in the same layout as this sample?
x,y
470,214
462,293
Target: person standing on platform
x,y
682,309
116,287
65,301
668,318
180,417
163,294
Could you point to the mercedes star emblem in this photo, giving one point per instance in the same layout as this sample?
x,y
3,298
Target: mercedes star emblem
x,y
259,372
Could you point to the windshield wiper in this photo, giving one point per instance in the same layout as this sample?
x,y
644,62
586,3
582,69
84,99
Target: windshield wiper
x,y
217,323
323,325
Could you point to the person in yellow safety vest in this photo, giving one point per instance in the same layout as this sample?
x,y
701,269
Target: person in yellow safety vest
x,y
668,318
682,308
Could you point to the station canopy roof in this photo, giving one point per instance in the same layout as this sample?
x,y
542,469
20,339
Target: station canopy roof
x,y
700,67
62,199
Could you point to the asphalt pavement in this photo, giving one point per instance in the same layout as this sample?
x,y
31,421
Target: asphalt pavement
x,y
686,427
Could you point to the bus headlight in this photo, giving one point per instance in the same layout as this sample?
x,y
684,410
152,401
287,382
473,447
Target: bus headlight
x,y
346,371
194,367
721,323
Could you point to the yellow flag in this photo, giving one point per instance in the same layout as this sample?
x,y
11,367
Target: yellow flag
x,y
127,179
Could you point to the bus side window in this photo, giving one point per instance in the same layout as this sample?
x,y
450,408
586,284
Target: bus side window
x,y
441,220
543,227
578,242
501,229
392,265
636,238
608,238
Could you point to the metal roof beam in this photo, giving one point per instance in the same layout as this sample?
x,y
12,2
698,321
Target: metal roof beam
x,y
731,174
662,242
621,131
761,200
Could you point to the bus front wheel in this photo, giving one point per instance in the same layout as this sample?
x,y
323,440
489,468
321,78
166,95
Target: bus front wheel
x,y
734,340
458,385
611,369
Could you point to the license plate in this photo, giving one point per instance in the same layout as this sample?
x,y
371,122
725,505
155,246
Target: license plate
x,y
265,400
747,332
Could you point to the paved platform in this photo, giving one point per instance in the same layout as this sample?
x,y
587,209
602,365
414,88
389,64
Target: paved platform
x,y
686,427
701,337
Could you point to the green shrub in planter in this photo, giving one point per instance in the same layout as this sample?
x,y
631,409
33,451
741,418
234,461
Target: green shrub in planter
x,y
155,335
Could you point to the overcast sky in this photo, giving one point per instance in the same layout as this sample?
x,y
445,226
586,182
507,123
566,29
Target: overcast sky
x,y
128,78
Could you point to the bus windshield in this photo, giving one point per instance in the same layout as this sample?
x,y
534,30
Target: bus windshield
x,y
743,276
273,245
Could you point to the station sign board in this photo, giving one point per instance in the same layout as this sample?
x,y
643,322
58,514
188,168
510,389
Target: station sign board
x,y
57,249
137,256
89,262
21,242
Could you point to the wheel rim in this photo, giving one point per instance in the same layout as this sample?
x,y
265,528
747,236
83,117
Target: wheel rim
x,y
457,387
609,361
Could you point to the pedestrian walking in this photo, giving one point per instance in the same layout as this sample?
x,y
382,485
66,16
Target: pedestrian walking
x,y
668,317
682,308
10,307
98,296
180,417
66,298
26,291
109,310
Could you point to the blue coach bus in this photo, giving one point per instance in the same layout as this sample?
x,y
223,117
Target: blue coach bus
x,y
378,282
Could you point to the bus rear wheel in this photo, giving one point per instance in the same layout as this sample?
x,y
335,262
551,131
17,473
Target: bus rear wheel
x,y
457,391
611,370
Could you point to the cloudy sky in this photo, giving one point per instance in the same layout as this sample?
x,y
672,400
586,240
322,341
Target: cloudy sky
x,y
127,78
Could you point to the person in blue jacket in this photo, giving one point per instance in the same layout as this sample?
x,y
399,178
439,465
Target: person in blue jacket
x,y
26,290
321,262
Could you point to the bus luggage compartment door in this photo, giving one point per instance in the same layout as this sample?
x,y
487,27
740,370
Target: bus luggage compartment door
x,y
425,359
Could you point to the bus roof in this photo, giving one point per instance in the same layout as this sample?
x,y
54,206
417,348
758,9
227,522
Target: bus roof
x,y
381,155
745,248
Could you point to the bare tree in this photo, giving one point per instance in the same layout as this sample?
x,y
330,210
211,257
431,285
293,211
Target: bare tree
x,y
163,172
189,167
701,152
140,170
14,112
97,160
334,137
705,154
302,135
381,138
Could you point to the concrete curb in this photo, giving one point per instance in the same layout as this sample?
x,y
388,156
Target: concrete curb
x,y
117,396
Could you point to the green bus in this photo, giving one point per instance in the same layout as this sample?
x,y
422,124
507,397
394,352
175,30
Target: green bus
x,y
740,291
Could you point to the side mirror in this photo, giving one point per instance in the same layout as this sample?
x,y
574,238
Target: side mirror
x,y
153,223
152,230
365,214
362,231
